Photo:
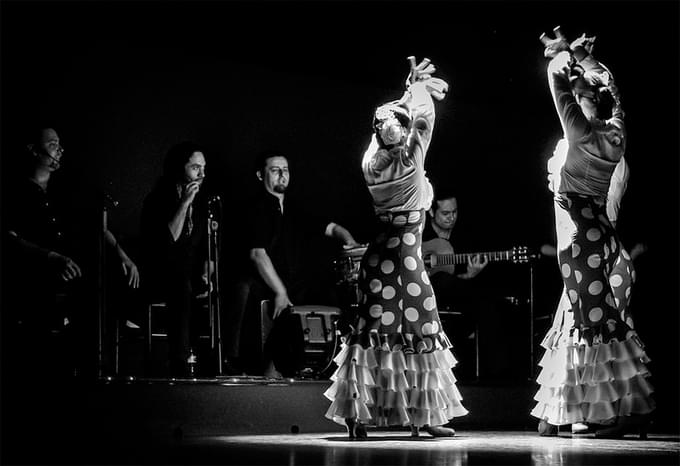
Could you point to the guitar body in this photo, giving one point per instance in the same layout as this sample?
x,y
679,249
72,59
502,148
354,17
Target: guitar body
x,y
432,248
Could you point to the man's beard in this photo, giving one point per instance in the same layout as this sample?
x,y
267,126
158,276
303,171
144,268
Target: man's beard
x,y
280,188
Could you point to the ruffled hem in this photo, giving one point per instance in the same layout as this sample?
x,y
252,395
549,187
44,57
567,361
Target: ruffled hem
x,y
592,383
386,388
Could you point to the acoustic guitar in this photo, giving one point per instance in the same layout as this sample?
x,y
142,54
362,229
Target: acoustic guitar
x,y
438,256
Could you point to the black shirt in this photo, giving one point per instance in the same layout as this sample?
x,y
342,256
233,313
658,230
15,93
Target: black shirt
x,y
165,257
288,236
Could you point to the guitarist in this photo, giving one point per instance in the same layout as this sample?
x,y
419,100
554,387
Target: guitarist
x,y
452,286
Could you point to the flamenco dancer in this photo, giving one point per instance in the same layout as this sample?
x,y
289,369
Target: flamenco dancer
x,y
395,368
593,370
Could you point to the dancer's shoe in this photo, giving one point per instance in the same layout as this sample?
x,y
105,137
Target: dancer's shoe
x,y
547,430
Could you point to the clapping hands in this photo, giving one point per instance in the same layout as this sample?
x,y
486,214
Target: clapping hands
x,y
556,45
422,72
560,43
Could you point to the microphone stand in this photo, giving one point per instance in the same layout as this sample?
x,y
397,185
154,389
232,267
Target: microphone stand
x,y
101,288
214,310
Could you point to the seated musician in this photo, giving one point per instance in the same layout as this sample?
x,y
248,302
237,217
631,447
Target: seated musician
x,y
278,236
451,283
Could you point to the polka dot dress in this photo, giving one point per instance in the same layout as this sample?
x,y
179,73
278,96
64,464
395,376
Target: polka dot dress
x,y
396,368
593,369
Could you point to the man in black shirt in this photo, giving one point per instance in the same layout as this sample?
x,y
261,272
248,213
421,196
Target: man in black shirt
x,y
278,240
174,233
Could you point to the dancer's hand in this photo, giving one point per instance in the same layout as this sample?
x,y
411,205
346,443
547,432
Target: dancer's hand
x,y
422,72
556,45
419,72
586,42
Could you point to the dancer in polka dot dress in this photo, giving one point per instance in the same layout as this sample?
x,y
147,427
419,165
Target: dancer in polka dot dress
x,y
395,367
593,370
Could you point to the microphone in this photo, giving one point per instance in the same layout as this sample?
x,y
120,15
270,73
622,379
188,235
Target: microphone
x,y
53,161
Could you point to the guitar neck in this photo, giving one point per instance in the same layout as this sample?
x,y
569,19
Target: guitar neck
x,y
454,259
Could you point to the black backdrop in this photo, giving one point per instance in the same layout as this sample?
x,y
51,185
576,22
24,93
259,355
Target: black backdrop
x,y
124,80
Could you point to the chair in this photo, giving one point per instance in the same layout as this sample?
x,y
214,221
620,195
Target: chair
x,y
318,324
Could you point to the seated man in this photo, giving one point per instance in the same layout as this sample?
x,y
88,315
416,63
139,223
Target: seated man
x,y
452,287
174,234
277,235
49,268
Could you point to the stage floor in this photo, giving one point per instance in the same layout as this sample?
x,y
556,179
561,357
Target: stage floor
x,y
255,421
398,448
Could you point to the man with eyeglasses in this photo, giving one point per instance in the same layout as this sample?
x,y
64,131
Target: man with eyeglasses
x,y
278,240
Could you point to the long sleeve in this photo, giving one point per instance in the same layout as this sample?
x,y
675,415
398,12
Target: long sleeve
x,y
421,106
574,124
617,188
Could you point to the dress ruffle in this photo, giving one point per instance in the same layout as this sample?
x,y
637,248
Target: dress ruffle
x,y
595,383
386,387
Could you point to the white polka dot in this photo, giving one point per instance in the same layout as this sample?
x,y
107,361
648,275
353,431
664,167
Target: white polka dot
x,y
615,280
409,239
411,314
628,292
566,270
593,234
393,242
387,266
578,275
375,311
399,280
427,328
573,296
569,202
595,314
373,260
606,252
613,244
429,303
387,318
375,286
413,289
435,326
595,288
610,300
594,261
617,301
632,276
398,331
401,304
587,212
388,292
629,321
420,252
410,263
625,255
575,250
425,277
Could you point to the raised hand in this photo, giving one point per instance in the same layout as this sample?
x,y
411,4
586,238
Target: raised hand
x,y
422,72
556,45
189,192
586,42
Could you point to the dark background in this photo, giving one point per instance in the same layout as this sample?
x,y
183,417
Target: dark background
x,y
123,81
